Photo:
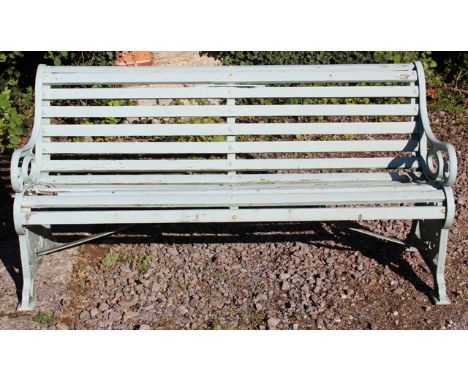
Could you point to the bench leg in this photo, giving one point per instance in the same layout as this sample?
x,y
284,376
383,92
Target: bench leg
x,y
431,240
29,242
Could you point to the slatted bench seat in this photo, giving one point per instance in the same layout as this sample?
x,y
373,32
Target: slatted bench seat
x,y
113,145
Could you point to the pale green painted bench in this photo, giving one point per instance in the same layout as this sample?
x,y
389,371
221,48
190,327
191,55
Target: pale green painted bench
x,y
174,171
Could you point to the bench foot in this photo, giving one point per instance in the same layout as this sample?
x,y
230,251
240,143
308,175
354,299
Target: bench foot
x,y
431,238
30,243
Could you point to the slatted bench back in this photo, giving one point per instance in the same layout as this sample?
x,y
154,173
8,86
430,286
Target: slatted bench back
x,y
153,124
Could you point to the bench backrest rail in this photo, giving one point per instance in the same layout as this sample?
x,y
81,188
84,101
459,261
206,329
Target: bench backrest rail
x,y
113,122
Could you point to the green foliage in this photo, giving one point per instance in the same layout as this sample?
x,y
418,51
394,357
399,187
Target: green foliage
x,y
112,258
445,71
79,58
139,262
17,72
451,88
15,103
144,263
324,58
446,74
318,58
43,317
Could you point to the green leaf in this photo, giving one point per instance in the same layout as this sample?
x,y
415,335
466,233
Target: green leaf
x,y
4,101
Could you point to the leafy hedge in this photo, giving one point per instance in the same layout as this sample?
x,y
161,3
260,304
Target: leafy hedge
x,y
17,73
446,72
310,57
323,58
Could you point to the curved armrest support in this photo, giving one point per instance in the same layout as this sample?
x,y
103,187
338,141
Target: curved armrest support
x,y
19,172
23,169
440,168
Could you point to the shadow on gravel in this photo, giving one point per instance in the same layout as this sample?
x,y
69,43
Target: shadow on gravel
x,y
315,233
319,234
384,252
9,246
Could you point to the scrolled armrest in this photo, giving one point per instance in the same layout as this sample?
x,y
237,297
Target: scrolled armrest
x,y
23,169
21,162
440,168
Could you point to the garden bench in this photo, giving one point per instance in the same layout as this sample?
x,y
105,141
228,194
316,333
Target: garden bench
x,y
135,145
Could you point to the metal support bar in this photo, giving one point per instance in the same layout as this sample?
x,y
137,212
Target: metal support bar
x,y
80,241
382,237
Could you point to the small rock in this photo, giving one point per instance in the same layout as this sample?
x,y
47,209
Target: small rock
x,y
130,315
273,323
146,316
155,287
217,303
92,322
103,307
183,310
85,315
94,312
62,326
399,291
127,303
144,327
284,276
115,316
395,313
285,285
295,326
261,297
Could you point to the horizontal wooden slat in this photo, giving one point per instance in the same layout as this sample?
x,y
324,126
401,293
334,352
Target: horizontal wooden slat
x,y
186,129
224,165
231,92
226,215
253,199
228,111
284,75
240,188
226,147
55,182
226,68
